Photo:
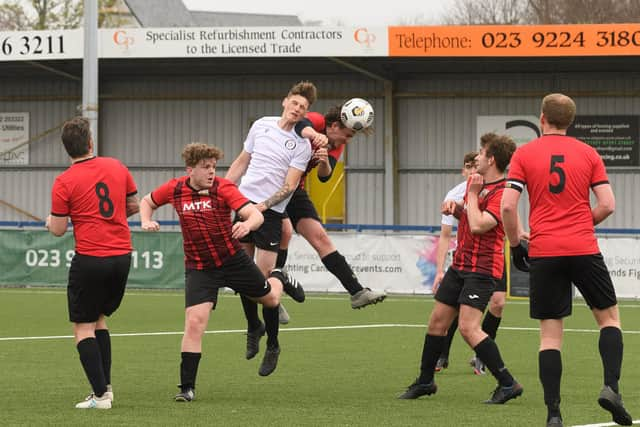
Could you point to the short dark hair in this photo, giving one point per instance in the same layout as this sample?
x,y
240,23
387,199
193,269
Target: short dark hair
x,y
470,157
196,151
500,147
76,134
306,90
333,116
559,110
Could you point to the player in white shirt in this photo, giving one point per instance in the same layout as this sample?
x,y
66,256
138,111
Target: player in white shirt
x,y
271,164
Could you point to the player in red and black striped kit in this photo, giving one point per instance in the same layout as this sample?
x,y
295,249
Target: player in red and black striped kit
x,y
97,194
303,216
558,172
478,263
213,256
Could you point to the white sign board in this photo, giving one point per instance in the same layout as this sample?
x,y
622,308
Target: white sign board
x,y
242,42
40,45
397,264
407,264
521,128
14,132
622,256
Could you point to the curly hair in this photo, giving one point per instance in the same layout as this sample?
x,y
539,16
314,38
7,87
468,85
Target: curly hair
x,y
196,151
500,147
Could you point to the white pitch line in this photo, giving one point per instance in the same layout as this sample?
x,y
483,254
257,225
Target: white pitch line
x,y
310,328
603,424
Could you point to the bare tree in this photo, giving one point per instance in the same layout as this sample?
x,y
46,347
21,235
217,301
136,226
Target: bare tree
x,y
59,14
12,16
491,12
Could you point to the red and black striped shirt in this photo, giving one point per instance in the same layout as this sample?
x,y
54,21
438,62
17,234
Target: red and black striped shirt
x,y
205,219
482,253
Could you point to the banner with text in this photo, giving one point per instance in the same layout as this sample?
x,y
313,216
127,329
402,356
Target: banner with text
x,y
614,137
14,134
516,40
37,45
396,263
242,42
29,257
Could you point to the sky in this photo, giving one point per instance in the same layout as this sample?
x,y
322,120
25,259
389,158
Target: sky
x,y
339,12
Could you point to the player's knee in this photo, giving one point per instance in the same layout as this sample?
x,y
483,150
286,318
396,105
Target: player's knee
x,y
195,325
467,329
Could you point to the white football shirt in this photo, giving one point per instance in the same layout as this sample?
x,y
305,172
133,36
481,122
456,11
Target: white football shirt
x,y
457,194
273,151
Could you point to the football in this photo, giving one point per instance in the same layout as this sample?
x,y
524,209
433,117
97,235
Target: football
x,y
357,114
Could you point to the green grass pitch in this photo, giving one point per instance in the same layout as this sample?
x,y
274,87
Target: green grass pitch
x,y
338,367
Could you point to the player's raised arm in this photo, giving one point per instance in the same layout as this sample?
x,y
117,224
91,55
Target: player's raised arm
x,y
147,207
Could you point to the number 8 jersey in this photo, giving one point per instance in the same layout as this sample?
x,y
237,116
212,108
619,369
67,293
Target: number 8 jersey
x,y
93,193
558,172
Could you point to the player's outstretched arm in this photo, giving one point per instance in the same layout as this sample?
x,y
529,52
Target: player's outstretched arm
x,y
147,207
252,220
57,225
238,167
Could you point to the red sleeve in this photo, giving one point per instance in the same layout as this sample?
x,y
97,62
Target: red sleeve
x,y
59,199
493,205
131,184
317,119
231,195
161,195
599,174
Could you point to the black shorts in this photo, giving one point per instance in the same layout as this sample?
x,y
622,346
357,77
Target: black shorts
x,y
96,286
268,236
460,287
501,284
550,294
239,273
300,206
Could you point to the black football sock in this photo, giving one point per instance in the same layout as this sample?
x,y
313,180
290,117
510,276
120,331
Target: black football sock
x,y
550,372
490,325
104,342
92,363
431,351
338,266
611,348
250,313
189,369
488,352
282,258
272,325
450,333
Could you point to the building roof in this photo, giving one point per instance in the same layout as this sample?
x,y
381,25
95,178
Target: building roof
x,y
173,13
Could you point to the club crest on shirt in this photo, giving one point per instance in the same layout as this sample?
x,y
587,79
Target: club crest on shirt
x,y
290,144
483,193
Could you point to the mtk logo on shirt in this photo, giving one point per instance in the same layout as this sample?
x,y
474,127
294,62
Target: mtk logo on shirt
x,y
197,206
